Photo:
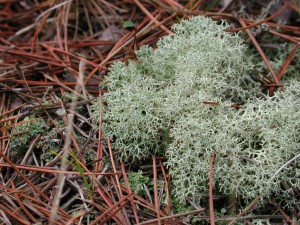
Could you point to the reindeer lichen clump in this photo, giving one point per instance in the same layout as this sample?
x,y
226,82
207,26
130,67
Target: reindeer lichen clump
x,y
156,106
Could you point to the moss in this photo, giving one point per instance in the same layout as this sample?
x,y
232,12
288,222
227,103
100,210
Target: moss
x,y
23,133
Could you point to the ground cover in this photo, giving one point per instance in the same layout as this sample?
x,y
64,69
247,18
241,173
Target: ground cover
x,y
86,139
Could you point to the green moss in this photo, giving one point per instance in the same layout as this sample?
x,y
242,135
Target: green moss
x,y
138,182
24,132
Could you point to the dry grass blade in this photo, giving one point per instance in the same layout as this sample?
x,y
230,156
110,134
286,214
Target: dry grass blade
x,y
156,202
127,184
98,165
60,178
211,204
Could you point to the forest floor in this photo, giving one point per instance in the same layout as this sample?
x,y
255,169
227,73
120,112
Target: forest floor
x,y
56,168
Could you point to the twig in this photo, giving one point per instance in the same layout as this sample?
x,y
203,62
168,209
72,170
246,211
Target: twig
x,y
211,202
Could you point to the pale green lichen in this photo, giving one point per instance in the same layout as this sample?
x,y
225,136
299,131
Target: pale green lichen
x,y
156,107
251,144
198,63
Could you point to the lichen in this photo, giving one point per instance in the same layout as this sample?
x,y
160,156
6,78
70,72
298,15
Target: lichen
x,y
156,106
198,63
251,144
